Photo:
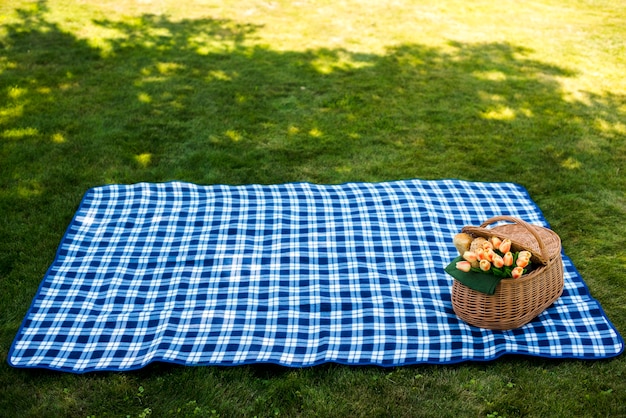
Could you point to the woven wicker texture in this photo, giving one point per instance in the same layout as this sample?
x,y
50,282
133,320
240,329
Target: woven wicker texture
x,y
515,301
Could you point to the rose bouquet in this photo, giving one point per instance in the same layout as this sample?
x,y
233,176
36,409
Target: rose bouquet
x,y
492,256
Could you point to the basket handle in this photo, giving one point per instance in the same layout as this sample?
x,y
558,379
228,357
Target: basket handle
x,y
522,223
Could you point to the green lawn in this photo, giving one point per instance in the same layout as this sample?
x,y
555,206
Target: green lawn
x,y
327,91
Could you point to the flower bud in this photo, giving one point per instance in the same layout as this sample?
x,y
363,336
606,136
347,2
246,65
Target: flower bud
x,y
485,265
505,246
464,266
495,241
480,254
522,262
487,246
508,259
517,272
497,261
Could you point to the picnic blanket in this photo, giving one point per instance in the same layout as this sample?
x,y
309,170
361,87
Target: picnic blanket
x,y
293,274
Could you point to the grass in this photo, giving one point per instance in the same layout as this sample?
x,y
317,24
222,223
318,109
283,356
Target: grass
x,y
97,92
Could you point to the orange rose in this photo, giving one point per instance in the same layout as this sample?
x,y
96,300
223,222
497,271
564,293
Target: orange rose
x,y
470,256
522,262
489,254
464,266
505,246
508,259
517,272
525,254
497,261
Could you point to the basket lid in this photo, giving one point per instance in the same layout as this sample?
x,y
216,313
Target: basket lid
x,y
543,243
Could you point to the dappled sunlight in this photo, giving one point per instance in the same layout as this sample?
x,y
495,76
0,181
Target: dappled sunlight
x,y
193,90
29,188
206,43
16,92
345,169
103,45
58,138
201,36
611,127
490,75
143,159
144,97
11,112
220,75
571,163
233,135
5,64
490,97
242,98
316,133
44,90
149,78
572,92
499,113
14,107
169,68
328,61
19,133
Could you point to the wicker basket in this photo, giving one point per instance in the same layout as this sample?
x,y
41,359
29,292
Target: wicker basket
x,y
515,301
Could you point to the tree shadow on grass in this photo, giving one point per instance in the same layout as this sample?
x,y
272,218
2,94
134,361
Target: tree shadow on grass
x,y
194,100
202,101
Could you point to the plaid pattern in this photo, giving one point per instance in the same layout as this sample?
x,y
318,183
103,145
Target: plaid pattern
x,y
293,274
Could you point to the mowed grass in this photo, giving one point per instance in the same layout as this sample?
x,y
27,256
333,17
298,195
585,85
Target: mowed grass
x,y
96,92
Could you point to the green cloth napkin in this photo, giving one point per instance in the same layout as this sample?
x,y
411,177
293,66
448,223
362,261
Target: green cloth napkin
x,y
481,282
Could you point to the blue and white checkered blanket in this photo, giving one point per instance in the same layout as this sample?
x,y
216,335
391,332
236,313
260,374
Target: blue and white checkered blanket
x,y
293,274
